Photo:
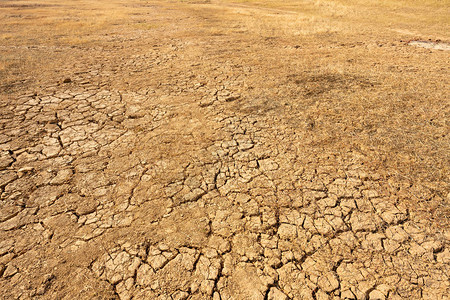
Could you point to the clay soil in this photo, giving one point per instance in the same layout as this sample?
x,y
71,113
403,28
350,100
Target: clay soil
x,y
224,149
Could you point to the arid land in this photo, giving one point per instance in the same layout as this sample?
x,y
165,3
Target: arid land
x,y
224,149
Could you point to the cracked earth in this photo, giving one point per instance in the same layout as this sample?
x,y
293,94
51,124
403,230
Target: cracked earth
x,y
219,153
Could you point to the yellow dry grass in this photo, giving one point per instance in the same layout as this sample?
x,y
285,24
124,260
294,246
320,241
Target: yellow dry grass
x,y
32,28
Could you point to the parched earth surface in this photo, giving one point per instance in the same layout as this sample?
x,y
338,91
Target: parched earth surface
x,y
223,153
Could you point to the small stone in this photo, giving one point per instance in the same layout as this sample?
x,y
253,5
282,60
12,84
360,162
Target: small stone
x,y
24,170
232,98
48,234
67,80
47,278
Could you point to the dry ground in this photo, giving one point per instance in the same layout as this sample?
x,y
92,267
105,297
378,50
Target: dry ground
x,y
224,150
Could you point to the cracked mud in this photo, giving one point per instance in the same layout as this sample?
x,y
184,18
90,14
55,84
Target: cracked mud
x,y
213,157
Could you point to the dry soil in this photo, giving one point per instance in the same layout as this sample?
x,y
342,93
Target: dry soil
x,y
224,149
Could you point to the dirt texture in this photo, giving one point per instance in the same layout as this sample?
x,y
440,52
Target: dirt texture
x,y
224,150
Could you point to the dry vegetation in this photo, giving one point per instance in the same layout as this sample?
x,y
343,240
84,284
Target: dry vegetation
x,y
224,149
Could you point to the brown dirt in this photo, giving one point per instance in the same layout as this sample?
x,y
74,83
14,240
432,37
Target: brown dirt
x,y
224,150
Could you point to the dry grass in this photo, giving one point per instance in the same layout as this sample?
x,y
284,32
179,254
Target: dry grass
x,y
429,17
329,35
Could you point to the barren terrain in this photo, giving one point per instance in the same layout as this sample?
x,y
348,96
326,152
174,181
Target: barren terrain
x,y
224,149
